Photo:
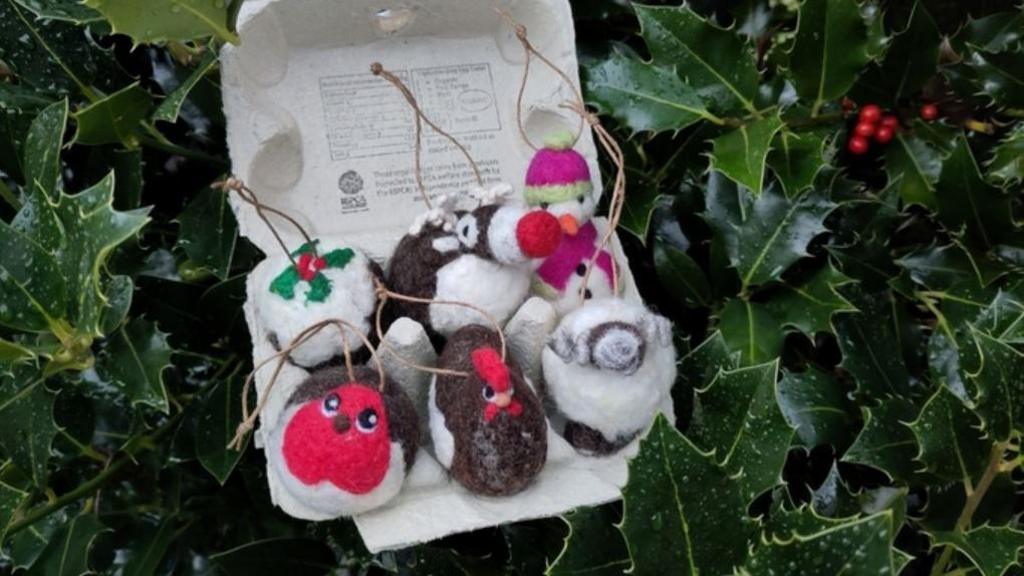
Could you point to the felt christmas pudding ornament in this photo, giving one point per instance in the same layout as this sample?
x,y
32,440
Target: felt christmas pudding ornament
x,y
558,181
481,258
608,367
325,281
343,445
487,424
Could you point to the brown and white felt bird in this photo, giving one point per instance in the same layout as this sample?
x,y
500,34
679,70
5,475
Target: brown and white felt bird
x,y
342,446
480,257
489,430
609,366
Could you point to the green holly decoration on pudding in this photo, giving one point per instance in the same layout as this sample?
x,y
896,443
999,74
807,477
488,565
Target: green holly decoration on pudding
x,y
308,268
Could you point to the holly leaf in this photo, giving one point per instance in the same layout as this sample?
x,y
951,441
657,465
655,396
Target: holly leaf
x,y
21,105
33,296
953,446
739,420
134,360
292,556
914,166
169,109
42,150
714,62
66,10
593,546
992,549
683,513
47,55
27,428
642,96
1000,386
149,548
869,343
965,201
751,330
1007,163
830,49
995,33
163,20
886,441
681,275
218,419
817,406
742,154
809,307
909,62
999,76
114,118
796,158
858,547
209,232
67,553
763,236
11,500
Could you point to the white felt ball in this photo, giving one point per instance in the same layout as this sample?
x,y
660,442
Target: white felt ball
x,y
609,365
352,298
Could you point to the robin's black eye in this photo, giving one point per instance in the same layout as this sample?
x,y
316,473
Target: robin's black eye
x,y
581,199
488,393
366,422
331,404
544,205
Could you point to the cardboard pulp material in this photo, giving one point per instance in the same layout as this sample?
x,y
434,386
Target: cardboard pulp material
x,y
315,134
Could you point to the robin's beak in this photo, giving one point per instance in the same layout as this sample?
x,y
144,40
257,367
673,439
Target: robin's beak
x,y
341,423
569,224
502,399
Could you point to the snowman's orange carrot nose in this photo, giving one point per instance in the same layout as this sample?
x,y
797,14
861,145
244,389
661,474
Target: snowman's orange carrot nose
x,y
569,224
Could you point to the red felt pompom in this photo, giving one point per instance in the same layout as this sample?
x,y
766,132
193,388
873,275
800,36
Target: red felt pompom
x,y
489,366
538,234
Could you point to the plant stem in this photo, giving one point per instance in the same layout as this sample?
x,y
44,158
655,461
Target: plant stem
x,y
93,484
995,461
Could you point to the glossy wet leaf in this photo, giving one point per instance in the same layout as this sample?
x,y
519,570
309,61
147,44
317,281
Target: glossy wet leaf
x,y
149,549
67,10
67,553
886,441
742,153
740,420
27,428
683,513
797,157
643,96
209,232
680,275
42,150
217,421
134,360
712,61
868,340
11,499
994,33
966,201
114,119
818,407
1007,163
914,165
953,446
999,383
594,545
1000,76
909,62
751,331
162,20
19,106
169,109
33,295
992,549
859,547
830,48
50,56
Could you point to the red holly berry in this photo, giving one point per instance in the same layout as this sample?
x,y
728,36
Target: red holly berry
x,y
857,145
305,266
864,129
847,104
889,121
870,114
929,112
320,263
883,135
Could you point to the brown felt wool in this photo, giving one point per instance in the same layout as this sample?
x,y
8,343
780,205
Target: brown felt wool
x,y
589,441
403,421
415,263
495,458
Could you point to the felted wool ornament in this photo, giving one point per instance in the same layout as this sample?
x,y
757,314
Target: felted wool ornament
x,y
607,367
489,430
558,181
341,446
333,282
481,257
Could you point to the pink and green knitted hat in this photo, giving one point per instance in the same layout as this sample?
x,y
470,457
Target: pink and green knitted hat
x,y
557,173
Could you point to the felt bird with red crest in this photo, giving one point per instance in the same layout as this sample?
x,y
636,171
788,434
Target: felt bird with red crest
x,y
342,445
488,429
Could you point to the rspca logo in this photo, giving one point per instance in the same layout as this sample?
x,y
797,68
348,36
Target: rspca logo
x,y
351,184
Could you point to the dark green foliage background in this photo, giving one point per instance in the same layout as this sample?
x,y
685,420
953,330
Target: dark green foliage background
x,y
851,391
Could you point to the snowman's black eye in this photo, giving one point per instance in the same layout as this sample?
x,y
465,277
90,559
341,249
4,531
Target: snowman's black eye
x,y
581,199
488,393
331,404
366,422
544,205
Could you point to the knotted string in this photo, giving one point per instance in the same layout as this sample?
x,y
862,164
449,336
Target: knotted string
x,y
378,70
383,294
233,184
249,418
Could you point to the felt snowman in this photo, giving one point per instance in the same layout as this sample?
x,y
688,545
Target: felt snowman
x,y
480,257
326,281
558,181
343,446
608,367
488,429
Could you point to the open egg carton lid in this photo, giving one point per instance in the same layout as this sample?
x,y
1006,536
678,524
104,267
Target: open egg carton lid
x,y
317,135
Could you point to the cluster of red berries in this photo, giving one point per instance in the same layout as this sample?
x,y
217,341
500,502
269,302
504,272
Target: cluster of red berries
x,y
873,125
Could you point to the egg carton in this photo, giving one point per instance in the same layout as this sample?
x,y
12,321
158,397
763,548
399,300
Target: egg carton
x,y
315,134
